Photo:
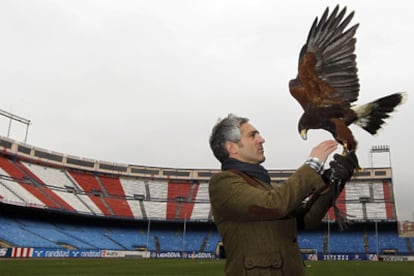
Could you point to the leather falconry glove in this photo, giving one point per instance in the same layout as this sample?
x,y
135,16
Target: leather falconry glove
x,y
341,170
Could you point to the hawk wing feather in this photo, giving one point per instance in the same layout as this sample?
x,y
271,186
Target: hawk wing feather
x,y
327,82
327,70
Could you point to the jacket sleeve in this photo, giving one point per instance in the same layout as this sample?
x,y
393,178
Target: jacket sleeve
x,y
310,215
233,198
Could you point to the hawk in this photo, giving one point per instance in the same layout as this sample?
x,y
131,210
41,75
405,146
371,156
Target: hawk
x,y
327,82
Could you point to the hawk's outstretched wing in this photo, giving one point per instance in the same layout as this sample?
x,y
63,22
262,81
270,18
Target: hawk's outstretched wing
x,y
327,71
327,82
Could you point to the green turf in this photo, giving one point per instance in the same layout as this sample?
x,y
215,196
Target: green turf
x,y
185,267
111,267
359,268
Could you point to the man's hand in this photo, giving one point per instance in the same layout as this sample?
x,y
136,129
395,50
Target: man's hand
x,y
341,170
343,167
323,150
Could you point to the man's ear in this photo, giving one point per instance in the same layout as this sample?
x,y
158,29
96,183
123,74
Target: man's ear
x,y
231,148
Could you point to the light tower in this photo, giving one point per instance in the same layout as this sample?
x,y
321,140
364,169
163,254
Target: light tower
x,y
16,118
378,149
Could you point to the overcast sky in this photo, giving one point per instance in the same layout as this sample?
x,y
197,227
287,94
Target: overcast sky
x,y
143,82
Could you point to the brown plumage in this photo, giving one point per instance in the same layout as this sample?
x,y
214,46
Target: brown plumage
x,y
327,82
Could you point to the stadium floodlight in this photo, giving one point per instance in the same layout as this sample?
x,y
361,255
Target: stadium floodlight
x,y
16,118
380,148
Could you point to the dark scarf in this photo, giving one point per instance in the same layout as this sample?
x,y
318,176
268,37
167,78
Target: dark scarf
x,y
256,171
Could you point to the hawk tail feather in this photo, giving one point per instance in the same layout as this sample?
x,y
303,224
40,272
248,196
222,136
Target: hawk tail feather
x,y
371,116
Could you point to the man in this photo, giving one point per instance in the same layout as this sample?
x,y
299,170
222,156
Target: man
x,y
257,221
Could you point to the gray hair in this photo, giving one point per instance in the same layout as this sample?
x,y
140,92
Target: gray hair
x,y
227,129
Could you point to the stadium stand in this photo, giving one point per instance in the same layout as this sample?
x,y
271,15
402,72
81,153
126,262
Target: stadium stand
x,y
91,187
85,204
311,240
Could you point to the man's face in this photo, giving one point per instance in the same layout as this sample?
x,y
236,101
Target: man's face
x,y
250,148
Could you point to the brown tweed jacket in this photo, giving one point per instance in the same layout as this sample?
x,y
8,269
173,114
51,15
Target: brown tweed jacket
x,y
258,222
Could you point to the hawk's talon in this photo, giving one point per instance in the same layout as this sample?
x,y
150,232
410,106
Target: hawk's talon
x,y
345,149
358,169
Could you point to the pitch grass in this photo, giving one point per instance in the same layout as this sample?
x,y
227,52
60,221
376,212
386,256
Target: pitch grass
x,y
185,267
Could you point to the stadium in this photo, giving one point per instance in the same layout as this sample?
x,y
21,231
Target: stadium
x,y
143,82
55,205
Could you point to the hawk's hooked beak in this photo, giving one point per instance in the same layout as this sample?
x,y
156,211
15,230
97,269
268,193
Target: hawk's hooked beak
x,y
304,134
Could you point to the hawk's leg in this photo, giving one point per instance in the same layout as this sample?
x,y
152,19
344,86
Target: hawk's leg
x,y
345,151
345,148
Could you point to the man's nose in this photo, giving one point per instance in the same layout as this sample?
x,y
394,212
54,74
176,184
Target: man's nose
x,y
261,139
